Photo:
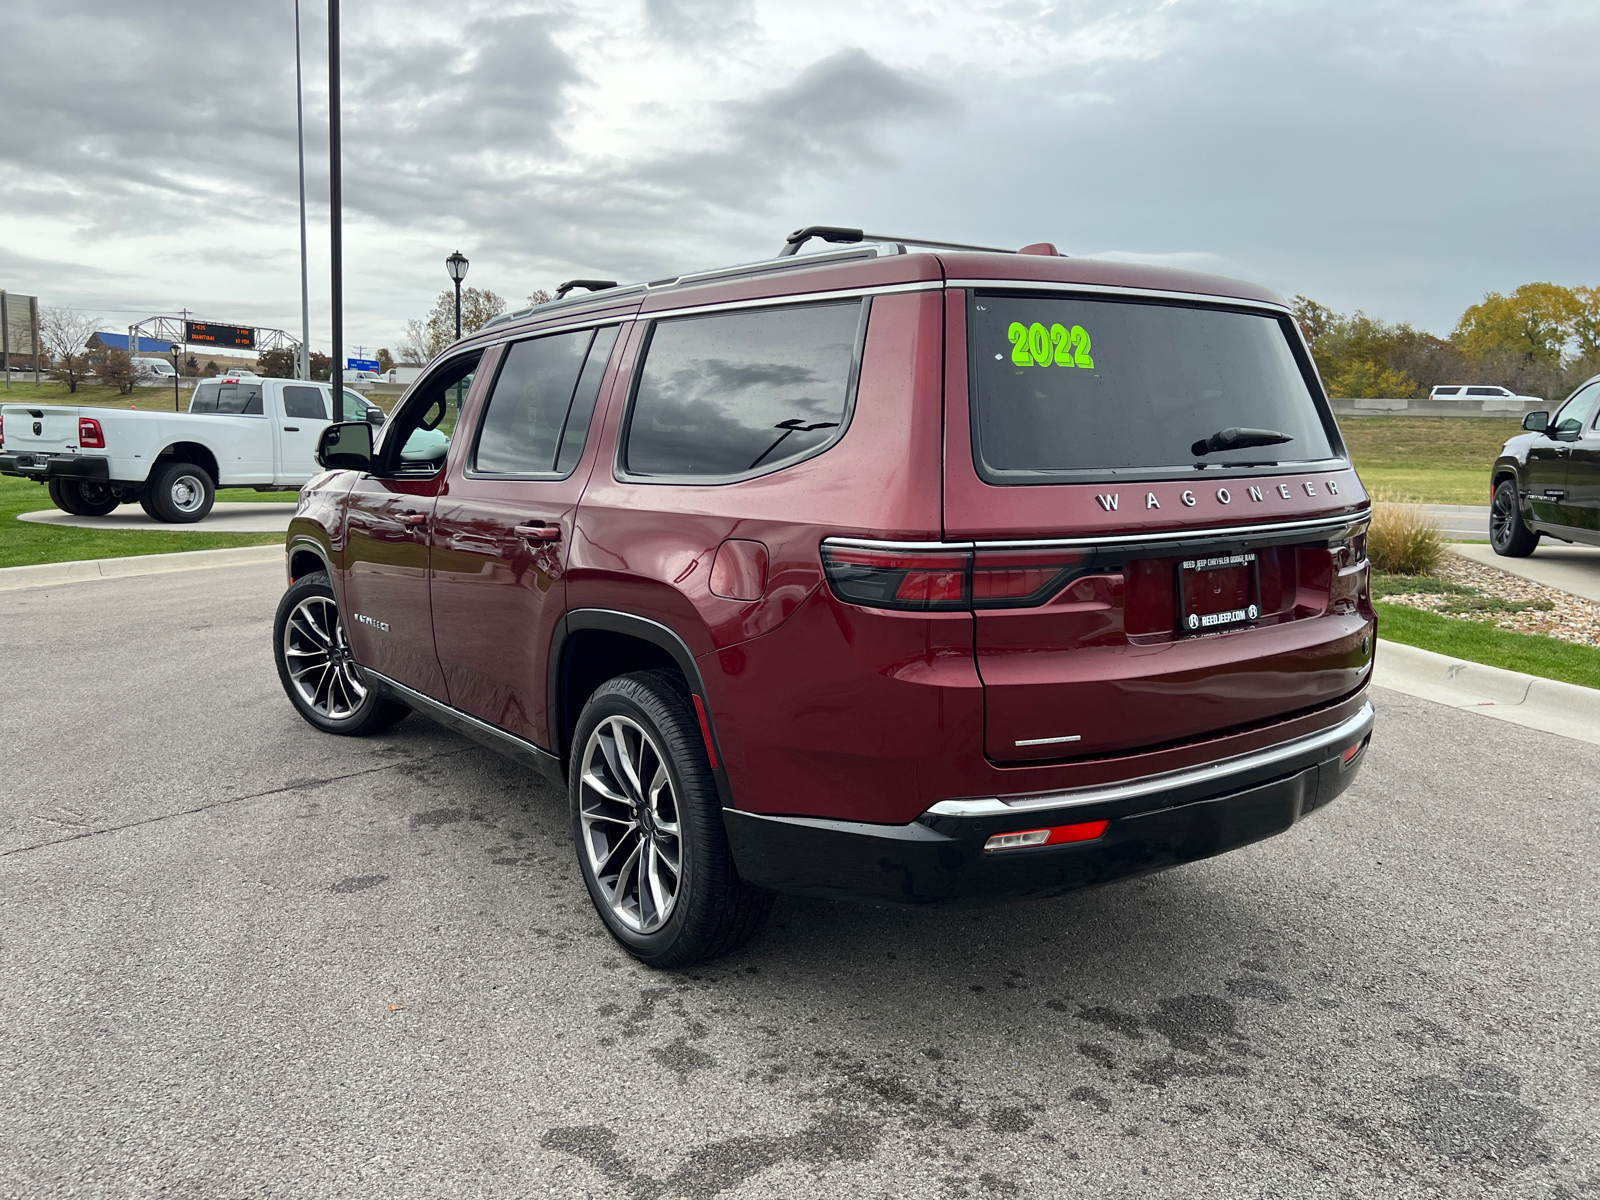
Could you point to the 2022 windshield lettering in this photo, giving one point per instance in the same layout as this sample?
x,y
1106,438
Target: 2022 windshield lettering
x,y
1036,345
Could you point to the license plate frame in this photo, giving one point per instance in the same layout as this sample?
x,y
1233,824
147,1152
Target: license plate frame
x,y
1242,605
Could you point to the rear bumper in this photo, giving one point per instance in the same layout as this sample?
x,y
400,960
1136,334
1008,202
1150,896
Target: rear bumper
x,y
41,466
1152,824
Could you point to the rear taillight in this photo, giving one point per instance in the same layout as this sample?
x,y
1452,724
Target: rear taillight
x,y
1055,835
932,580
89,435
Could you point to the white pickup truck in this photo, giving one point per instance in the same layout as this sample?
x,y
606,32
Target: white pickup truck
x,y
238,432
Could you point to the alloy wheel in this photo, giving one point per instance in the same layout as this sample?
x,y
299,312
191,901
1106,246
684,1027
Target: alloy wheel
x,y
318,657
629,813
1502,518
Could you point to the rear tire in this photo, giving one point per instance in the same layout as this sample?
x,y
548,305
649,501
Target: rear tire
x,y
647,821
1508,536
93,499
320,678
179,493
65,497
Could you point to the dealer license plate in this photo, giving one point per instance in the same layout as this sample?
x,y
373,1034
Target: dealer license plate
x,y
1214,593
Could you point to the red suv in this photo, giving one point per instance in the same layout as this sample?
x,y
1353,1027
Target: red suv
x,y
901,572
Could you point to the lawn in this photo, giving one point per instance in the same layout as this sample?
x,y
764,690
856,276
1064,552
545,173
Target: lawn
x,y
1474,641
22,542
1433,460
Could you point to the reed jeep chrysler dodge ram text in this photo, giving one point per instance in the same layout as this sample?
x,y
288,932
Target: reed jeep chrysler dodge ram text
x,y
899,571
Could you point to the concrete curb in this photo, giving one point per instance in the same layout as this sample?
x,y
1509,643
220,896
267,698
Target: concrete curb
x,y
48,574
1564,709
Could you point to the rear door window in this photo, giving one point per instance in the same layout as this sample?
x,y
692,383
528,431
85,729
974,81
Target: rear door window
x,y
305,403
1071,387
735,394
1486,391
1446,391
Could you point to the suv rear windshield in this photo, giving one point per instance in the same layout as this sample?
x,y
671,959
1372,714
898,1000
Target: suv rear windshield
x,y
1081,386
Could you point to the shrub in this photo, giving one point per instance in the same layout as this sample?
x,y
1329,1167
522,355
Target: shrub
x,y
1403,539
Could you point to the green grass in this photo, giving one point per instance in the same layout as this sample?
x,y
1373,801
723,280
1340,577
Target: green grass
x,y
1530,653
23,543
1433,460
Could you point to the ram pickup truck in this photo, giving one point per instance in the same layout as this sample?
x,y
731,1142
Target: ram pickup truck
x,y
238,432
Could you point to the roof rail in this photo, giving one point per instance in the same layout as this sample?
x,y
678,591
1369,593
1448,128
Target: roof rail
x,y
593,285
841,234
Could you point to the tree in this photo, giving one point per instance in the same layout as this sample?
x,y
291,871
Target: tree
x,y
321,365
1536,321
211,369
277,364
428,337
539,296
118,370
63,331
1586,321
192,365
385,360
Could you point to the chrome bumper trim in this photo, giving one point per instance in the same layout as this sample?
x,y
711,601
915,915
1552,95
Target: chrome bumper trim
x,y
1351,728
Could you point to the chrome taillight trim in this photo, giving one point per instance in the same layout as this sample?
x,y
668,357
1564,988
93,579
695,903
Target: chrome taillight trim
x,y
1357,726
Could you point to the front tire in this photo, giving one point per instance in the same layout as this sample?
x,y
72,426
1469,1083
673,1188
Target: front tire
x,y
179,493
316,669
647,821
1508,536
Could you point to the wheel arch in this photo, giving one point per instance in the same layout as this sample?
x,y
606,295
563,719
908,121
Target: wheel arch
x,y
592,645
306,555
197,453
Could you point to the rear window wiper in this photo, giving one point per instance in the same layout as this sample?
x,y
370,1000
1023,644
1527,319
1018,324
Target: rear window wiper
x,y
1239,439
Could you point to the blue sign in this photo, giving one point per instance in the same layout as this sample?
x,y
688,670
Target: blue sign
x,y
361,364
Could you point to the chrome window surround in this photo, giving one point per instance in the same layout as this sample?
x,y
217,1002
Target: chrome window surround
x,y
1107,289
1356,726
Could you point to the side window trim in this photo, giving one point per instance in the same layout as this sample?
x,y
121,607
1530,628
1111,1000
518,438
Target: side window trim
x,y
471,469
619,468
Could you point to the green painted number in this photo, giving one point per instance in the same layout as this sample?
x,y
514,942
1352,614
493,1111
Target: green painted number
x,y
1063,349
1080,347
1018,333
1039,343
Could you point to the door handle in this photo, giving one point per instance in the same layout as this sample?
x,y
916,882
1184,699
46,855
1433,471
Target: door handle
x,y
291,429
413,520
538,533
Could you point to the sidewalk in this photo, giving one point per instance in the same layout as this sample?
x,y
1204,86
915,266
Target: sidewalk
x,y
1574,569
85,570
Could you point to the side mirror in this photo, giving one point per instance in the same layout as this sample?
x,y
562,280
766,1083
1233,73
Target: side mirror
x,y
1535,422
345,447
376,417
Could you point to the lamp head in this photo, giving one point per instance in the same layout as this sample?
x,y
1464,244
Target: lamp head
x,y
457,264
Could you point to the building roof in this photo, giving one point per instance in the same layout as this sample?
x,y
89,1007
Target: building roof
x,y
119,341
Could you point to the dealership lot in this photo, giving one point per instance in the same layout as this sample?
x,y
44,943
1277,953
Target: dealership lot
x,y
239,957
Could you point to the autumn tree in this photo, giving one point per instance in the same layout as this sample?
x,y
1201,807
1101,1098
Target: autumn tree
x,y
385,360
278,364
119,370
1536,321
63,332
428,337
539,296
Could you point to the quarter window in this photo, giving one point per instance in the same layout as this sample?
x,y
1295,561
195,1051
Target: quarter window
x,y
304,403
740,393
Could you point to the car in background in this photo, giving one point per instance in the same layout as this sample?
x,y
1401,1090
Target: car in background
x,y
155,368
1476,392
1547,479
354,375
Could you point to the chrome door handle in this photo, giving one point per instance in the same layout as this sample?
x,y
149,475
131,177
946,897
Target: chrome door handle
x,y
538,533
413,519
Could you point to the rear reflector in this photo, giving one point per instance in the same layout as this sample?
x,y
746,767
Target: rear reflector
x,y
1084,831
89,435
1351,754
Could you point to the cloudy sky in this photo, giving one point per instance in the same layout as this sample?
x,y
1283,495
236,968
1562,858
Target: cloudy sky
x,y
1402,156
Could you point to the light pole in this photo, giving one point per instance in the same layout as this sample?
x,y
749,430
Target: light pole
x,y
335,202
304,366
176,350
456,264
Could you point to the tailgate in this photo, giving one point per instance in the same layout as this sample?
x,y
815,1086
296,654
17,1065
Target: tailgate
x,y
40,427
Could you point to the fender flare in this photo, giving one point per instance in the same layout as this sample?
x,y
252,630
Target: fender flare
x,y
657,634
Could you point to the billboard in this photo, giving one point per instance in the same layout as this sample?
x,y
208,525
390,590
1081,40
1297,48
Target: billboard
x,y
207,333
361,364
17,330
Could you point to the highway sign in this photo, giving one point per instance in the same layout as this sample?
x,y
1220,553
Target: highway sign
x,y
361,364
206,333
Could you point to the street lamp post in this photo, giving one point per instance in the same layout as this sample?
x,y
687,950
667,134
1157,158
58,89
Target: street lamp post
x,y
456,264
176,350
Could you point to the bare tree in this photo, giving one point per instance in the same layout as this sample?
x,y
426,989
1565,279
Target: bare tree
x,y
64,332
119,371
427,337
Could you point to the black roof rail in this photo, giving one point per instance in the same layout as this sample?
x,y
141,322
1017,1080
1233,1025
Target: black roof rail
x,y
593,285
840,233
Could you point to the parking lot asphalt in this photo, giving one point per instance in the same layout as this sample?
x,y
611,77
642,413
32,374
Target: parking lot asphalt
x,y
242,958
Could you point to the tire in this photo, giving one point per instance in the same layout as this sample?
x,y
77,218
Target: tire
x,y
309,631
92,499
1509,537
179,493
65,496
627,834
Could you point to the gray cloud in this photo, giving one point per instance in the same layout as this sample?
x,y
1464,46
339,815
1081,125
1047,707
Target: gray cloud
x,y
694,23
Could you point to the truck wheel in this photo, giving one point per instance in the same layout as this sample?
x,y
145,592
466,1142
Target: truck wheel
x,y
648,824
92,499
322,680
65,497
178,493
1507,534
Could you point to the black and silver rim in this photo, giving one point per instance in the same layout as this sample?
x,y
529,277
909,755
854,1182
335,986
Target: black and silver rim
x,y
318,656
629,814
188,493
1503,517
